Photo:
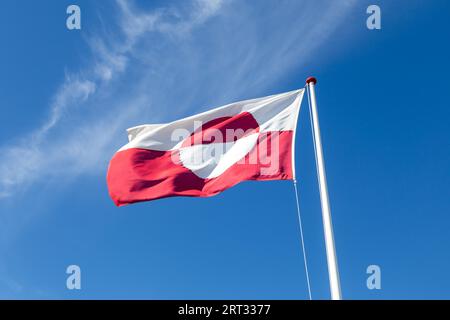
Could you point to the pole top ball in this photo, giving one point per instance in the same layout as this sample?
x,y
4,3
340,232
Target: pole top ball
x,y
311,79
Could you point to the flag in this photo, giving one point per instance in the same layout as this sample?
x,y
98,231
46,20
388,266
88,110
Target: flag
x,y
204,154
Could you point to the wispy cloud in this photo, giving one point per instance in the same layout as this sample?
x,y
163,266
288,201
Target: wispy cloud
x,y
163,63
37,155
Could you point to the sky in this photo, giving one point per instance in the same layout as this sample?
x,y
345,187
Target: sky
x,y
67,97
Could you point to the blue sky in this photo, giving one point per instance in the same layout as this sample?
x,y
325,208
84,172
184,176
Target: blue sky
x,y
66,98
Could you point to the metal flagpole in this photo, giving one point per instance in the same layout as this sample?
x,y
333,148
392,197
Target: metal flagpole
x,y
333,272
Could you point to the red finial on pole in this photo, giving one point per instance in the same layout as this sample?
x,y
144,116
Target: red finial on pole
x,y
311,79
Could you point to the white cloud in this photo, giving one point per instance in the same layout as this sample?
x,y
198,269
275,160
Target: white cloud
x,y
36,155
72,91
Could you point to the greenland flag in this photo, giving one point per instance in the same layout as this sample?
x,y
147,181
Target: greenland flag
x,y
202,155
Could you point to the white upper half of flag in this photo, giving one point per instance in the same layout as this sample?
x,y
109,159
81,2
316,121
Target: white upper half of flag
x,y
273,113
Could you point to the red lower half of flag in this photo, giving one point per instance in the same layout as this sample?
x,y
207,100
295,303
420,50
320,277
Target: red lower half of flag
x,y
141,174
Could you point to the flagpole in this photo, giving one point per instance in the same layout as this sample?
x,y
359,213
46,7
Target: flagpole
x,y
333,272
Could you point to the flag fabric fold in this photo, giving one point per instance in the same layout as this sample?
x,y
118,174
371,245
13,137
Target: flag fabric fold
x,y
204,154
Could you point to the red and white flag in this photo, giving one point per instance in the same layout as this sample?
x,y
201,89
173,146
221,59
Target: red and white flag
x,y
204,154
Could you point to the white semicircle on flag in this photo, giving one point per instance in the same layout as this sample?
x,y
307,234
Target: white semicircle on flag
x,y
209,161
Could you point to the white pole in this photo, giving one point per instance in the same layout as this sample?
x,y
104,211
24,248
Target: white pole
x,y
333,271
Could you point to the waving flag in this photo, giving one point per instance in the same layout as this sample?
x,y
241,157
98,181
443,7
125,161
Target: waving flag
x,y
204,154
